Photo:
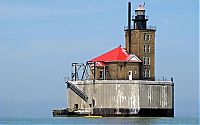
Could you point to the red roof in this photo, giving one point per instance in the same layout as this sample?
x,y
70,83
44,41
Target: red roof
x,y
100,64
117,54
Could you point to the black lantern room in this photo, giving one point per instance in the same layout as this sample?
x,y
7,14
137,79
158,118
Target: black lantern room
x,y
140,22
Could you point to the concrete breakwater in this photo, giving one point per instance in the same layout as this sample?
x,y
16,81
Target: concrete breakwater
x,y
123,98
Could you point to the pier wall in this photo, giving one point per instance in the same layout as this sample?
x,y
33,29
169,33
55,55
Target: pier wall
x,y
123,96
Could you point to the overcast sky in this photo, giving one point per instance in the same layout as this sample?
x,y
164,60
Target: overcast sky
x,y
39,40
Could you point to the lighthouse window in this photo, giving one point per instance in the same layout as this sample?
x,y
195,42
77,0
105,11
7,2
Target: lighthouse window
x,y
144,48
148,60
148,48
144,73
148,37
145,37
148,73
144,60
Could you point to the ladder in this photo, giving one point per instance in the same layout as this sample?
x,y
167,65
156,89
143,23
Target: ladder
x,y
79,92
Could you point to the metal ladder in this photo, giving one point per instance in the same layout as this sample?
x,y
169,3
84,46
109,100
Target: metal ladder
x,y
79,92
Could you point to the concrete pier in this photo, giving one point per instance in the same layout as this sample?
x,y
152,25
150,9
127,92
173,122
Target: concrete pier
x,y
124,97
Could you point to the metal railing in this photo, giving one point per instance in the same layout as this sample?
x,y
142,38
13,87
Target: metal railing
x,y
164,79
151,27
76,90
133,17
148,27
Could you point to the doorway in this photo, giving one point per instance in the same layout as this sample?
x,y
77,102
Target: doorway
x,y
130,75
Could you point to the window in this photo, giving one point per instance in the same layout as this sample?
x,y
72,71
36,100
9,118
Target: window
x,y
75,106
135,72
101,74
144,73
144,60
148,37
145,37
144,48
148,60
93,102
148,73
148,48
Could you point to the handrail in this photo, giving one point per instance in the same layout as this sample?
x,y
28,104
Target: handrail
x,y
76,90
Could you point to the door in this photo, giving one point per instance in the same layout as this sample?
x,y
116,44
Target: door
x,y
130,75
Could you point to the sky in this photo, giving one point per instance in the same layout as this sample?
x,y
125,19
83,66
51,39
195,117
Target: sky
x,y
40,39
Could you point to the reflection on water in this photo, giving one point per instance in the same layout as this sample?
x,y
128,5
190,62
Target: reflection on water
x,y
133,120
106,120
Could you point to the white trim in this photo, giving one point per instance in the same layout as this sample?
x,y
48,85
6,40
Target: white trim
x,y
145,48
149,73
145,37
149,49
144,73
133,57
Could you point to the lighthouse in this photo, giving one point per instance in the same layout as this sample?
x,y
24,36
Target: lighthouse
x,y
140,40
121,82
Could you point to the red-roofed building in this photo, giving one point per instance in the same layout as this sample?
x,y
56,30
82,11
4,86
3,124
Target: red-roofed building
x,y
116,55
116,64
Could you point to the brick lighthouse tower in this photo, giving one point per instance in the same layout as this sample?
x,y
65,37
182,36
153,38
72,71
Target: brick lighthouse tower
x,y
140,40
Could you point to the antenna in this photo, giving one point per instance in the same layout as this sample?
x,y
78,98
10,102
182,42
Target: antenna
x,y
129,26
129,15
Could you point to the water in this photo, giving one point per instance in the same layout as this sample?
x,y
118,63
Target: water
x,y
108,120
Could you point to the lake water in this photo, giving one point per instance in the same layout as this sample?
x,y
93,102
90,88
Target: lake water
x,y
106,120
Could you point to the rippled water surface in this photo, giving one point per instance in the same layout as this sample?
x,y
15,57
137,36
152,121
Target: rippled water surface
x,y
109,120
